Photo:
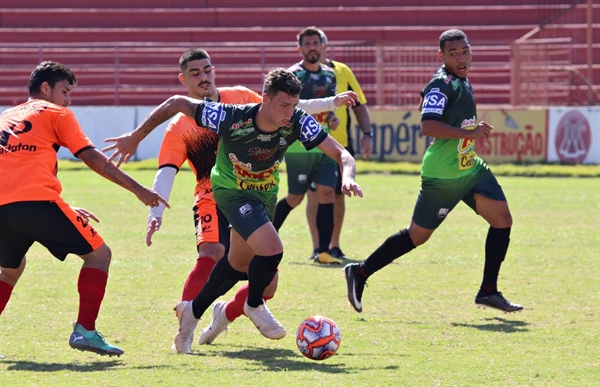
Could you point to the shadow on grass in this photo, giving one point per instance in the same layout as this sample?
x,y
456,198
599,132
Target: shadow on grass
x,y
21,365
286,359
498,324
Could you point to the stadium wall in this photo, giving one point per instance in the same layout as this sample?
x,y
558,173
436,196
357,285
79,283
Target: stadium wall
x,y
562,134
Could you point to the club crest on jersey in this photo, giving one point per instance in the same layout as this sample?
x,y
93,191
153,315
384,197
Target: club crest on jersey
x,y
213,115
434,102
246,210
310,128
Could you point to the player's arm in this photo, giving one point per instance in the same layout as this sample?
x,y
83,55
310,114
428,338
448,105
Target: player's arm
x,y
99,163
346,162
125,145
364,121
318,105
163,185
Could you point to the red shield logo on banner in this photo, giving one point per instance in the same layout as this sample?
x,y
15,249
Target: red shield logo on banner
x,y
573,138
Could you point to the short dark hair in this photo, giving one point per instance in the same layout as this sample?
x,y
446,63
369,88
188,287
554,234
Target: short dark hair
x,y
280,79
51,72
190,55
450,35
309,31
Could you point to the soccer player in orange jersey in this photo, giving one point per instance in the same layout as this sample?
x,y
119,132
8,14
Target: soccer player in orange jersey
x,y
31,208
183,141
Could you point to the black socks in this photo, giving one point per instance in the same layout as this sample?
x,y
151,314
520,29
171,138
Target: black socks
x,y
222,278
496,246
260,274
394,246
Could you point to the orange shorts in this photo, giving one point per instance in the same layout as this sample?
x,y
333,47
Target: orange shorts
x,y
211,224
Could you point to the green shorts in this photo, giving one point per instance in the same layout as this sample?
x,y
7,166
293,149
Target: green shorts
x,y
438,197
305,168
246,210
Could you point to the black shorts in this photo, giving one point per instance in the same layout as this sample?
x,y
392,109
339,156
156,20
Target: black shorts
x,y
55,225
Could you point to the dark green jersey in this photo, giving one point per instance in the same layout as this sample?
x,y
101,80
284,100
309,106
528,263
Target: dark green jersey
x,y
248,158
315,84
451,100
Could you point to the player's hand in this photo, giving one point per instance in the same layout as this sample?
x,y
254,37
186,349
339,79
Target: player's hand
x,y
125,147
483,129
366,146
347,98
151,198
153,226
85,214
351,188
334,122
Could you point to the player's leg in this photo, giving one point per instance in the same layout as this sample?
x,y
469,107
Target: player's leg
x,y
312,205
325,178
13,247
298,171
339,210
436,199
489,201
212,237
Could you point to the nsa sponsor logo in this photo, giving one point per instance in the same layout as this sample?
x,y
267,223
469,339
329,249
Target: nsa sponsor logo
x,y
443,212
245,210
212,116
310,128
434,102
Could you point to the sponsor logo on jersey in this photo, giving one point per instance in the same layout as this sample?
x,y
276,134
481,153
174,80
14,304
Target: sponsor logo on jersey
x,y
455,83
261,154
448,79
242,131
246,210
282,143
241,124
264,137
309,128
434,102
212,116
442,212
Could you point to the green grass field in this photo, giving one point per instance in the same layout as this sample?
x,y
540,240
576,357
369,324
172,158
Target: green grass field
x,y
419,326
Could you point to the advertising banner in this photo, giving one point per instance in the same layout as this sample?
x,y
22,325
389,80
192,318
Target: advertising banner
x,y
574,135
518,136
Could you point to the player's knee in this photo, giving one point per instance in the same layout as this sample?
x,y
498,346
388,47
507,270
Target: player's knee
x,y
294,200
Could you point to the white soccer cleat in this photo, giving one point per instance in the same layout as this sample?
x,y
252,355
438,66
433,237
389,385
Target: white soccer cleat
x,y
187,324
268,326
218,324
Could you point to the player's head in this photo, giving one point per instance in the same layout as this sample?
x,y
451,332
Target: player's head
x,y
198,74
455,52
310,44
53,82
281,93
323,58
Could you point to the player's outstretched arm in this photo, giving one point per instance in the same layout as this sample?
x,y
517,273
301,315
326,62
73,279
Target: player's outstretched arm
x,y
163,184
337,152
99,163
125,145
329,104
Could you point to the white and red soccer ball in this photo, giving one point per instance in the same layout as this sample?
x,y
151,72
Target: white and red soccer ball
x,y
318,338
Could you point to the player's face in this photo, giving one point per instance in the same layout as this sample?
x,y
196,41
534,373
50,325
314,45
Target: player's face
x,y
311,48
59,94
281,108
457,57
199,79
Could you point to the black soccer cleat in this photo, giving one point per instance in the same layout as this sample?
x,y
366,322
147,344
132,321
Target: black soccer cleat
x,y
496,301
356,285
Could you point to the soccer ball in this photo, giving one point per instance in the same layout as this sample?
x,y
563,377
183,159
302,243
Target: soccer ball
x,y
318,338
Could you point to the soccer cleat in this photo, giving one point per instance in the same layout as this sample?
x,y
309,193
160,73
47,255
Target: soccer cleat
x,y
92,341
187,324
496,301
336,252
326,258
266,323
314,255
356,285
217,326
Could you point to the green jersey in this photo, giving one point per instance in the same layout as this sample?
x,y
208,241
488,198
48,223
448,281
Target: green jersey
x,y
248,158
315,84
451,100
